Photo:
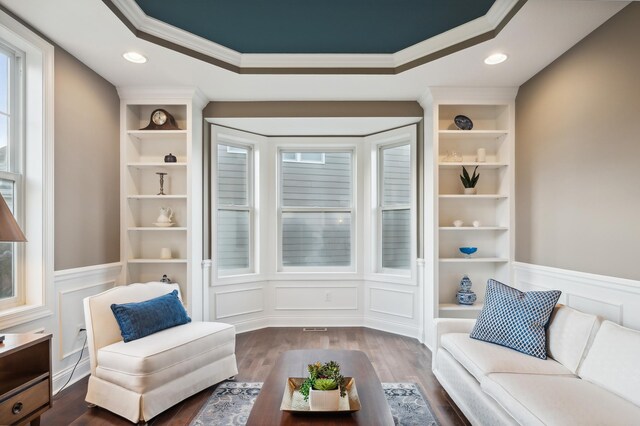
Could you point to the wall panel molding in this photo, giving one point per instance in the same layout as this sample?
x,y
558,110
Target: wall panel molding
x,y
237,302
73,285
392,304
615,299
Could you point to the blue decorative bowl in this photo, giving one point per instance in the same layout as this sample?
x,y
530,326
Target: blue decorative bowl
x,y
468,251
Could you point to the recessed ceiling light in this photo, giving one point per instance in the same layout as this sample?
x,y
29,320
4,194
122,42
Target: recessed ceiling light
x,y
134,57
496,58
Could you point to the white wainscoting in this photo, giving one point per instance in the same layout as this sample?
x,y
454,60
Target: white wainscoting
x,y
615,299
73,285
392,305
237,302
316,297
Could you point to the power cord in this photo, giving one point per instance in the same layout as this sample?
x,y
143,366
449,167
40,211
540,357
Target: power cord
x,y
75,366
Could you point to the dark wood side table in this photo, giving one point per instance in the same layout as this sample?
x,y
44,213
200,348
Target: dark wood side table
x,y
25,378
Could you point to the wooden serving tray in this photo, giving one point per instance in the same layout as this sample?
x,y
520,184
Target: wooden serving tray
x,y
293,401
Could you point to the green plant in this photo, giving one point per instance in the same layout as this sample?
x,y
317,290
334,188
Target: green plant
x,y
469,181
323,377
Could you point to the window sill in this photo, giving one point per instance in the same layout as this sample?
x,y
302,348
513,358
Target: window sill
x,y
23,314
236,279
392,279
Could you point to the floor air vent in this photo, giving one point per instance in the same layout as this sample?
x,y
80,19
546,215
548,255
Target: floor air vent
x,y
314,329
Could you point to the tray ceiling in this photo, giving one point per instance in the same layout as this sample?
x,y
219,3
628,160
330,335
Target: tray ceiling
x,y
321,37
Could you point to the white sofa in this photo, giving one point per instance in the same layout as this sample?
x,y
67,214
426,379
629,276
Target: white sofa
x,y
144,377
591,375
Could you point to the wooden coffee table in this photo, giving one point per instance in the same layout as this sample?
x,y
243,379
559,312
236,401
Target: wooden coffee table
x,y
374,407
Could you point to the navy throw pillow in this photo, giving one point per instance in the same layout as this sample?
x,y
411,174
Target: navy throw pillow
x,y
141,319
516,319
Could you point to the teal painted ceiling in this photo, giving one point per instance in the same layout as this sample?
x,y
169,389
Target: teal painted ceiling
x,y
316,26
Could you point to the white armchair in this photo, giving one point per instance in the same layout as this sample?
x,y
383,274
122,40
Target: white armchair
x,y
140,379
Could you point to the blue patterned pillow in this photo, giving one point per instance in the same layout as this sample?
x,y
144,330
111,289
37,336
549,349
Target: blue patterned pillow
x,y
141,319
516,319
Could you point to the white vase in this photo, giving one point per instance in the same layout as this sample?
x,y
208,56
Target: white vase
x,y
469,191
324,400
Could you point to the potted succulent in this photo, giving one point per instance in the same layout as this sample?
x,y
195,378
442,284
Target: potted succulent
x,y
324,386
469,182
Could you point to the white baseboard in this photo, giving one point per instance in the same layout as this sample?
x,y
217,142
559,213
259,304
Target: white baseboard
x,y
393,327
61,377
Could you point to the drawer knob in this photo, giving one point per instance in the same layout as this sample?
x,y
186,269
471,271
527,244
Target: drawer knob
x,y
17,407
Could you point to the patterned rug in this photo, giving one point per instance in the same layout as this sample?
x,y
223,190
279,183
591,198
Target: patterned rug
x,y
231,402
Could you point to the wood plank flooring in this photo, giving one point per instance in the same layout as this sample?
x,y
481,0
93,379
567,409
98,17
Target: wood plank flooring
x,y
395,359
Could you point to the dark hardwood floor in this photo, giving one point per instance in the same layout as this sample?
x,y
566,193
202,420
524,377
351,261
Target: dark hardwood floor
x,y
395,359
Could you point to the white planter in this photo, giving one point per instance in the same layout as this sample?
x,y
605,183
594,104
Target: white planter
x,y
469,191
324,400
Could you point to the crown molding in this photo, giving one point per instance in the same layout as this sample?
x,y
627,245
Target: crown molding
x,y
463,36
167,94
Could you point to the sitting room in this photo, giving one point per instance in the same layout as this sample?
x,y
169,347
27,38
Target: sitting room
x,y
368,212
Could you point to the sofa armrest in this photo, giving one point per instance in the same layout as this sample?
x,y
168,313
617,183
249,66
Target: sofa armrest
x,y
450,325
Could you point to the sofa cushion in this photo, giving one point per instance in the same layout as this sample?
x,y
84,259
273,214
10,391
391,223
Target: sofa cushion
x,y
556,400
144,364
140,319
515,319
612,361
482,358
569,335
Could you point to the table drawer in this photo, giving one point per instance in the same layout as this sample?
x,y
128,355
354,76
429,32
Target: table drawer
x,y
24,403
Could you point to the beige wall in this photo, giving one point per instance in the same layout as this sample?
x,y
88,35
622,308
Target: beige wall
x,y
578,155
86,166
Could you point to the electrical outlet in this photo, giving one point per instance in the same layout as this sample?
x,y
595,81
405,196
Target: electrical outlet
x,y
80,329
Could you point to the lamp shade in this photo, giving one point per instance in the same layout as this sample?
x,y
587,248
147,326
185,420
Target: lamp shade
x,y
9,229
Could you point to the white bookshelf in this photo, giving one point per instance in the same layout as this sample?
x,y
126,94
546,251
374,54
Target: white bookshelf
x,y
142,157
492,113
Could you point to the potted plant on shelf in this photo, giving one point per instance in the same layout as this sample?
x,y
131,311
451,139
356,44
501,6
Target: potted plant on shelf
x,y
469,182
324,386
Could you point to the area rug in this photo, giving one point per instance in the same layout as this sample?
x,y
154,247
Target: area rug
x,y
231,402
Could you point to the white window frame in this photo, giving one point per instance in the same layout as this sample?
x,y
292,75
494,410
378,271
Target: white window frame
x,y
37,183
381,207
14,170
351,211
376,142
252,143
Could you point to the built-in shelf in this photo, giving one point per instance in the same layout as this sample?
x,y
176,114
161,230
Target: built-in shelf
x,y
155,135
154,165
472,134
157,260
487,165
150,197
456,307
473,196
492,140
474,228
157,229
473,260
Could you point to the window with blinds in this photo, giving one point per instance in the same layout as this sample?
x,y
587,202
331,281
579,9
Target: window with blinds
x,y
234,209
11,90
316,209
395,206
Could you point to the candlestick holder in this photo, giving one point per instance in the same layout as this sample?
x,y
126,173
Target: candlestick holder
x,y
162,175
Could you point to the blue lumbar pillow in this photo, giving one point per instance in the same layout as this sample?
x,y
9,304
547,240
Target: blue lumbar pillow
x,y
516,319
141,319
